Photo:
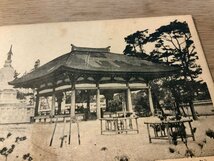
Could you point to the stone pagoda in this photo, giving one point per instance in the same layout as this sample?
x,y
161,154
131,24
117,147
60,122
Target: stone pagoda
x,y
12,110
7,92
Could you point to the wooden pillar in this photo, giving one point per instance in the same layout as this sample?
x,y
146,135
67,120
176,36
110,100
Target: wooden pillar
x,y
53,103
107,106
59,97
129,99
98,102
87,114
36,110
59,107
73,102
151,105
88,100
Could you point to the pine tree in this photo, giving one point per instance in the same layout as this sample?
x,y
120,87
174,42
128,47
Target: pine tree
x,y
173,45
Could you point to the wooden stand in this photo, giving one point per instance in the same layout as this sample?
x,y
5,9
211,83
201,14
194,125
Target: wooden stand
x,y
65,119
119,125
164,129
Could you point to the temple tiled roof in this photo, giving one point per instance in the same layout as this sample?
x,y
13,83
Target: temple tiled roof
x,y
96,60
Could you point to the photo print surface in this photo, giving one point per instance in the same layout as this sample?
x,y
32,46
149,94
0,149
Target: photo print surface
x,y
111,90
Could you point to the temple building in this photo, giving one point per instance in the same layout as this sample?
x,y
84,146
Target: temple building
x,y
96,71
12,110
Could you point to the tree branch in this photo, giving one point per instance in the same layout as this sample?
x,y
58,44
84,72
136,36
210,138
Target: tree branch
x,y
178,43
173,43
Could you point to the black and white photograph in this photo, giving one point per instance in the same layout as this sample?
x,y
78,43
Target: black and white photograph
x,y
136,89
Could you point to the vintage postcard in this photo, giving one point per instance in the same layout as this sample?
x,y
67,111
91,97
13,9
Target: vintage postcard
x,y
112,90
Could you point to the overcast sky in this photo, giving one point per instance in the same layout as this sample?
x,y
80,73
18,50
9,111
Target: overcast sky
x,y
48,41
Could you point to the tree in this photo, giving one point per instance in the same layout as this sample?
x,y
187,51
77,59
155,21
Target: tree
x,y
173,45
140,100
135,43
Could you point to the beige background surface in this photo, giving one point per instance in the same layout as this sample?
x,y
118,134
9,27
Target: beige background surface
x,y
43,11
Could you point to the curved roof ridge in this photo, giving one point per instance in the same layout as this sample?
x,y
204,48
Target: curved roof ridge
x,y
89,49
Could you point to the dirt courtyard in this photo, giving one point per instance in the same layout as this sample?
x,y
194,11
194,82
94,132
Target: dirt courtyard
x,y
97,147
